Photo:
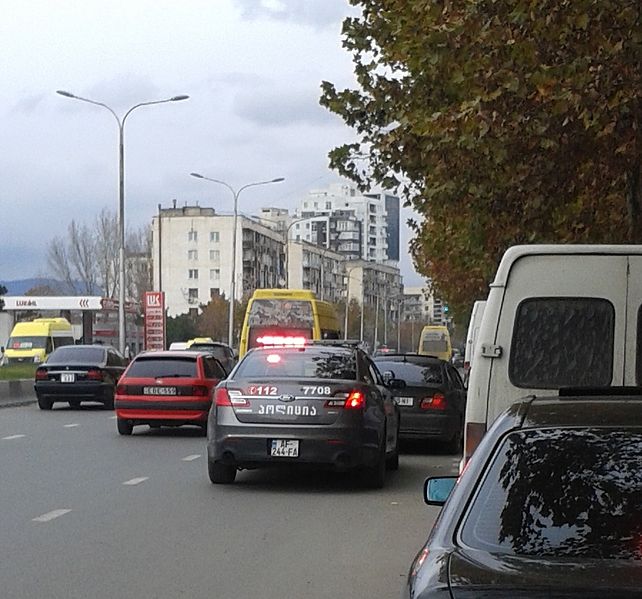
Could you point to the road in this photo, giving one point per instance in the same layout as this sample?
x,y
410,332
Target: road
x,y
88,514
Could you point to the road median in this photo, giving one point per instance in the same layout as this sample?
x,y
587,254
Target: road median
x,y
18,392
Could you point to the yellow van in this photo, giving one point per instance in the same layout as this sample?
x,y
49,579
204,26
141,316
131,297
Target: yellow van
x,y
33,341
435,341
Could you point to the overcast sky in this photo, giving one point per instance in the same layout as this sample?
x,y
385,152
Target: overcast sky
x,y
252,69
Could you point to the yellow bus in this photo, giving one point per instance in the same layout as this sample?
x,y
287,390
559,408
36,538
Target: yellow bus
x,y
435,341
286,317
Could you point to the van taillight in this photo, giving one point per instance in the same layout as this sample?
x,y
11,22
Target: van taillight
x,y
222,397
436,402
475,432
41,374
93,374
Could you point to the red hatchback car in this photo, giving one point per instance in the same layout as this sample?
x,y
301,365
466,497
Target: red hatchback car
x,y
167,388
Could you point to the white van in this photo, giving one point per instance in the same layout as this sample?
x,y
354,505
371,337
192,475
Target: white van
x,y
556,316
472,335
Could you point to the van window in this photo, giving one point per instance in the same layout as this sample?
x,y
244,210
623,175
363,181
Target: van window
x,y
560,342
61,341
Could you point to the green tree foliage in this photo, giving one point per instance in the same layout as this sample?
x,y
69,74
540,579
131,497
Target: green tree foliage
x,y
500,122
180,328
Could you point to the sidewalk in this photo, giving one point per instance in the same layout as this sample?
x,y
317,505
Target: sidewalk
x,y
17,393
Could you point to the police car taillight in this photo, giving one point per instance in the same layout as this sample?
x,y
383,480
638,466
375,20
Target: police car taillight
x,y
283,340
222,397
355,400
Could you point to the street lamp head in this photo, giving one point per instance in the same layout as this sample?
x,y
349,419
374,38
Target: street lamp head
x,y
178,98
64,93
197,175
278,180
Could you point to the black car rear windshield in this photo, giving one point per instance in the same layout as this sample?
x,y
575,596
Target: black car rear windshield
x,y
293,363
77,355
151,366
562,493
413,374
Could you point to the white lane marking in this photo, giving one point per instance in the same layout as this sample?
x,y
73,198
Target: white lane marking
x,y
51,515
136,481
113,417
13,437
71,425
191,458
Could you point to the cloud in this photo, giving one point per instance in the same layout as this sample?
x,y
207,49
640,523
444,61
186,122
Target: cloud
x,y
315,13
282,109
28,104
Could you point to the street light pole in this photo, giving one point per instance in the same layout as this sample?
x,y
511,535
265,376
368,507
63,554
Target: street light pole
x,y
121,198
235,193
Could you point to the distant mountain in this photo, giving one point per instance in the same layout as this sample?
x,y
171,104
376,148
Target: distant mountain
x,y
21,286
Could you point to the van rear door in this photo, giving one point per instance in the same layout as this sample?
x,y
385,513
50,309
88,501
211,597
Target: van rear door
x,y
561,323
633,349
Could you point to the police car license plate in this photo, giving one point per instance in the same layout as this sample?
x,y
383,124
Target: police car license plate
x,y
284,448
404,401
67,377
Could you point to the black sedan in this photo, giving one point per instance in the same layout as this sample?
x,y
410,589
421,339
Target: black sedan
x,y
77,373
433,401
550,505
323,404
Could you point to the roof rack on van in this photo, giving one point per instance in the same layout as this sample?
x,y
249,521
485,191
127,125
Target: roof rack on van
x,y
599,391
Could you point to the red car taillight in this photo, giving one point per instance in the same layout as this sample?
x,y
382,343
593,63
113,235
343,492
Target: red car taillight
x,y
200,391
41,374
222,397
436,402
93,374
122,390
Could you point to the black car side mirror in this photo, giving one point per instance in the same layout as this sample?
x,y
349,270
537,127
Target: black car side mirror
x,y
438,488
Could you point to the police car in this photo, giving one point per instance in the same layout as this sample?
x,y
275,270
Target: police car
x,y
315,403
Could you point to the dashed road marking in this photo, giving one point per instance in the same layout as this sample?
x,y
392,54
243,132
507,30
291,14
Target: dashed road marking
x,y
10,437
74,425
136,481
113,417
191,458
51,515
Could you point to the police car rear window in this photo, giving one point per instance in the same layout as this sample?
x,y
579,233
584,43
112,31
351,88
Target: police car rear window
x,y
305,363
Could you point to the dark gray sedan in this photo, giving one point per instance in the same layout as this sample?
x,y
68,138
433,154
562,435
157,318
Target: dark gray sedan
x,y
320,404
432,403
550,505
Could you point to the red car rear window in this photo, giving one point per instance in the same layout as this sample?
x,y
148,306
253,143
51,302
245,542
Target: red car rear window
x,y
152,367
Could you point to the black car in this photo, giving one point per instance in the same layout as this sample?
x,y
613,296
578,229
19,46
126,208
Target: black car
x,y
432,403
77,373
323,404
550,505
221,351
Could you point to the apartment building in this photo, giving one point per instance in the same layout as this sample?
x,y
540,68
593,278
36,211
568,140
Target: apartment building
x,y
191,251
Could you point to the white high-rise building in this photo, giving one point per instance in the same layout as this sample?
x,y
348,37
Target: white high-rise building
x,y
358,226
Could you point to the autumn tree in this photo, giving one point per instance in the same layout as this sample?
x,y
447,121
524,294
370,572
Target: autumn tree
x,y
499,122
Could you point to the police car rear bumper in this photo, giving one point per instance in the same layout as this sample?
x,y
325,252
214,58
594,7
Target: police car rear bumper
x,y
338,448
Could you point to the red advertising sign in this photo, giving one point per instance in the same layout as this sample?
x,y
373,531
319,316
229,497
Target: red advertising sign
x,y
154,311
